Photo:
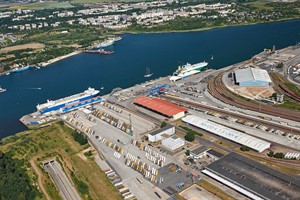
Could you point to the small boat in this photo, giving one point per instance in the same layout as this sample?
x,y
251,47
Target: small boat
x,y
2,89
212,57
102,87
148,73
37,67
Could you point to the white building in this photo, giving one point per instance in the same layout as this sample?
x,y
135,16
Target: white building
x,y
173,142
228,133
157,135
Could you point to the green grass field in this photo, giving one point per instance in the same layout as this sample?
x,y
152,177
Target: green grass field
x,y
43,5
35,146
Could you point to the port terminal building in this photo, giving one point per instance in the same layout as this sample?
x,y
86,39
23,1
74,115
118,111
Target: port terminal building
x,y
253,179
252,77
158,135
162,107
227,133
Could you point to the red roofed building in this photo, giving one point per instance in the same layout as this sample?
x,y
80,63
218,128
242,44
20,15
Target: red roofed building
x,y
163,107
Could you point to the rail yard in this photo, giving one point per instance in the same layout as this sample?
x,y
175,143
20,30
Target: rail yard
x,y
142,133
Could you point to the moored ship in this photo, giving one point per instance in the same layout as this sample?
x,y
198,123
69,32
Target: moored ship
x,y
20,69
2,89
109,42
87,97
188,70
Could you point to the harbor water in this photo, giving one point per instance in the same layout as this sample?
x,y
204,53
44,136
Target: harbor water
x,y
162,53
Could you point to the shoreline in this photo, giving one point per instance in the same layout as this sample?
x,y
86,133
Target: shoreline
x,y
207,28
51,61
76,52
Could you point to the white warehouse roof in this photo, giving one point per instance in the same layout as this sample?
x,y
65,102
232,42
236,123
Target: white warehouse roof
x,y
228,133
252,74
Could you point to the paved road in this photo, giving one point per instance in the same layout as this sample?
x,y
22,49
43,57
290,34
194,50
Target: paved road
x,y
61,181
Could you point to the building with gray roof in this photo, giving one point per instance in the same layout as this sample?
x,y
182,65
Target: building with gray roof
x,y
252,77
253,179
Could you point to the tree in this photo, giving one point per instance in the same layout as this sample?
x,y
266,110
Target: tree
x,y
163,124
188,152
190,136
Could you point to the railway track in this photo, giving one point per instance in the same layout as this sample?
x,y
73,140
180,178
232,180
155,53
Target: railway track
x,y
233,114
217,89
283,89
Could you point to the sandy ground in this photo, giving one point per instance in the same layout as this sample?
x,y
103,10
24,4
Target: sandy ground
x,y
195,192
254,92
23,46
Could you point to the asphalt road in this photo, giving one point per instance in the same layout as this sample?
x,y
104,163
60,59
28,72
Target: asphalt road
x,y
67,191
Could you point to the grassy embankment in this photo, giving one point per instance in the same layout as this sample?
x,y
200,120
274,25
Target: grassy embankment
x,y
34,146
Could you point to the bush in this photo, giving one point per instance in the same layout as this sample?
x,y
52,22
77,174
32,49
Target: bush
x,y
244,148
279,155
80,138
271,154
163,124
280,65
80,185
188,152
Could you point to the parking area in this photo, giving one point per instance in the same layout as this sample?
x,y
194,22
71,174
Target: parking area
x,y
174,178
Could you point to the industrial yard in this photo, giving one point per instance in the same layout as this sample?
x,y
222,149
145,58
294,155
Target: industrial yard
x,y
145,159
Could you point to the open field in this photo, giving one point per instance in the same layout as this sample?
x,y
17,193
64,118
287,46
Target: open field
x,y
35,146
21,47
99,1
259,5
43,5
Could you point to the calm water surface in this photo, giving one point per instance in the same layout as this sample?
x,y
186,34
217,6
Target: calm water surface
x,y
126,67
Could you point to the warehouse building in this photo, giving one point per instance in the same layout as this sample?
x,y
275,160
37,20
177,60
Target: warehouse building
x,y
157,135
162,107
199,152
252,77
173,142
227,133
253,179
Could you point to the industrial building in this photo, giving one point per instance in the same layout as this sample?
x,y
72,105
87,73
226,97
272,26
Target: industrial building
x,y
173,142
252,77
253,179
199,152
227,133
165,108
157,135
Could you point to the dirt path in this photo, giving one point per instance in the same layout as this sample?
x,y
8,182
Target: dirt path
x,y
40,182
